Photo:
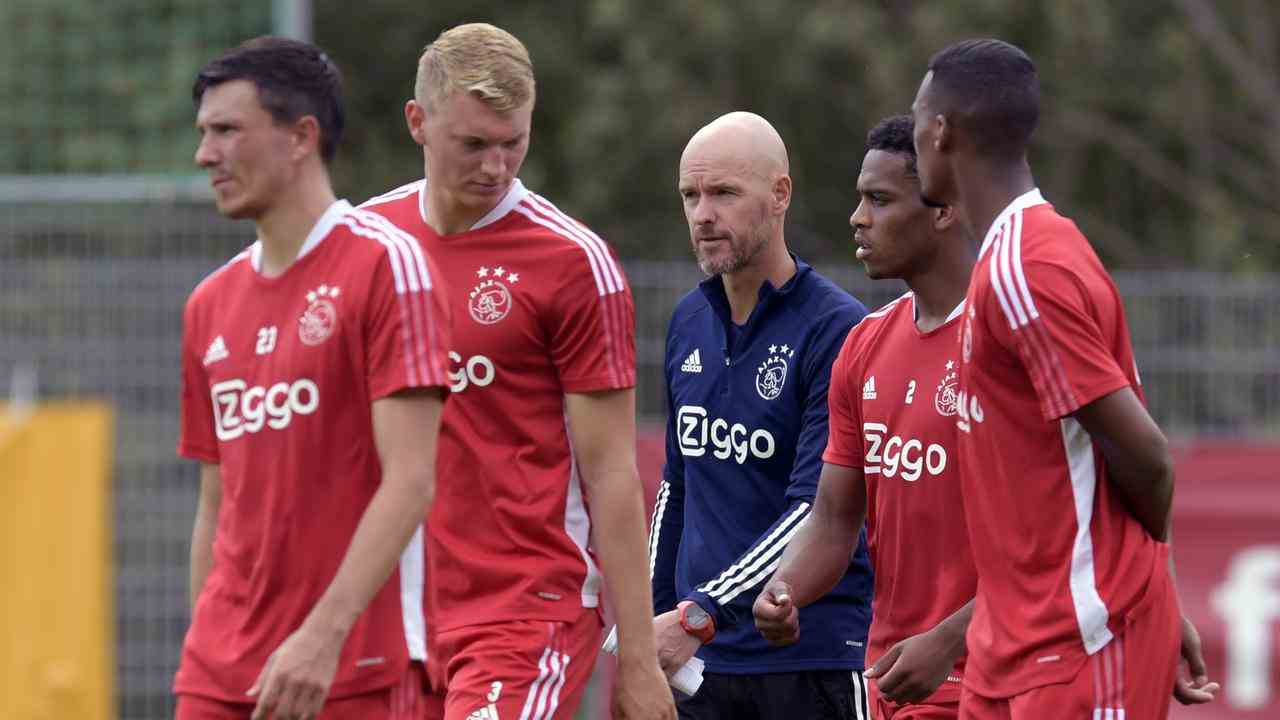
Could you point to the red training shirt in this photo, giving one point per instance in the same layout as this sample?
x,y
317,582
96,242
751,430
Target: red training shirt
x,y
893,410
541,309
278,377
1061,561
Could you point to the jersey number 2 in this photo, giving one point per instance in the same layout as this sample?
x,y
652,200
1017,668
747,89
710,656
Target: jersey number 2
x,y
911,391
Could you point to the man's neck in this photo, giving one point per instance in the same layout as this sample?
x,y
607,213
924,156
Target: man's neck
x,y
987,191
943,286
447,216
285,227
742,288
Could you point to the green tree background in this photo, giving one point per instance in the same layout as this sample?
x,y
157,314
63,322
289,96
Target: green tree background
x,y
1160,132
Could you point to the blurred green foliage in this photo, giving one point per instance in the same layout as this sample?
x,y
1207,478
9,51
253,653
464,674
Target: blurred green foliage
x,y
1159,133
105,87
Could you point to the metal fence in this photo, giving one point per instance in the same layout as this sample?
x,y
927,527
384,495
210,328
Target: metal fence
x,y
90,301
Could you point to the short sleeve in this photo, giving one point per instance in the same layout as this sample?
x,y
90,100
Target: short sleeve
x,y
1053,323
197,438
592,323
844,441
407,325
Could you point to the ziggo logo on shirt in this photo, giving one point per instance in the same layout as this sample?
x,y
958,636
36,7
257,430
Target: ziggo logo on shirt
x,y
478,370
729,440
910,456
238,408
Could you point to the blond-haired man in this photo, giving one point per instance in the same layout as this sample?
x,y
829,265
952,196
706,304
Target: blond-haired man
x,y
541,422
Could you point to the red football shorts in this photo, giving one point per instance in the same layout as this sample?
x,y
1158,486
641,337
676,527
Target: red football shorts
x,y
407,700
528,669
882,709
1130,679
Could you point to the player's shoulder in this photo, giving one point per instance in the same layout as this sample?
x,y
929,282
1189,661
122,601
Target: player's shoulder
x,y
1050,249
374,240
1044,234
548,225
551,235
887,314
875,324
222,279
405,195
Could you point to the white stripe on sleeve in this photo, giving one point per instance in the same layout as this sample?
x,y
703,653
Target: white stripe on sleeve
x,y
769,549
659,510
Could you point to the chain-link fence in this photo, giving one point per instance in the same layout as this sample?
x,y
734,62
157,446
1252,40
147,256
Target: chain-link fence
x,y
1207,344
90,301
94,87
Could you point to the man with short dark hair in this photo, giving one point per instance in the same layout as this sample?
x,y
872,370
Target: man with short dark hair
x,y
313,366
890,458
1067,481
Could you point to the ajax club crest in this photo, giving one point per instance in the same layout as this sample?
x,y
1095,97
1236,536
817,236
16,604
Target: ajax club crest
x,y
944,399
321,316
772,373
490,300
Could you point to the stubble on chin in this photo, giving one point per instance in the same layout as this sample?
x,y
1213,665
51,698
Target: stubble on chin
x,y
733,262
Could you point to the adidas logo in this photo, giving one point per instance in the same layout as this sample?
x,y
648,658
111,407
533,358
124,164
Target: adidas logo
x,y
869,388
217,351
489,712
693,363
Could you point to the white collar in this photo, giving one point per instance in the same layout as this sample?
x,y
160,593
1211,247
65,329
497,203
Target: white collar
x,y
319,231
515,194
1027,199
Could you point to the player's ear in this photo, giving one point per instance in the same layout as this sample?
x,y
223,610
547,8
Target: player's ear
x,y
415,117
306,137
944,133
943,218
782,193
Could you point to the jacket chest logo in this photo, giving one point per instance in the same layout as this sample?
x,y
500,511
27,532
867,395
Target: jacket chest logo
x,y
490,299
771,375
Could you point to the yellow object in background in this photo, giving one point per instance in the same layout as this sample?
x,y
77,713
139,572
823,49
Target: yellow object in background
x,y
56,617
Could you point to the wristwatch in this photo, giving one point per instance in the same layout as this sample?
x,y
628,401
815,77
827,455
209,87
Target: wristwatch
x,y
695,621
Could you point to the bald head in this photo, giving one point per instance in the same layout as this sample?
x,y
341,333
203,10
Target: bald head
x,y
743,141
736,190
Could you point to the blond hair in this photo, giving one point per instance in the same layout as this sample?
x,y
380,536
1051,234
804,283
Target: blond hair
x,y
476,58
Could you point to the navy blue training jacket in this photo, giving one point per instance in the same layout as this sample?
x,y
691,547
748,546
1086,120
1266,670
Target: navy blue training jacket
x,y
746,428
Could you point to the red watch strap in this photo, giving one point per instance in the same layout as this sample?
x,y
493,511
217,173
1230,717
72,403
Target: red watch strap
x,y
704,633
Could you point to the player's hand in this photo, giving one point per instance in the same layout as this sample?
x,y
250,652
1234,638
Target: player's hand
x,y
777,617
914,668
640,692
1192,686
295,681
675,646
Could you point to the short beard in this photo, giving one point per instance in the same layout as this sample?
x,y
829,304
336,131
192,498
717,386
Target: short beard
x,y
736,260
